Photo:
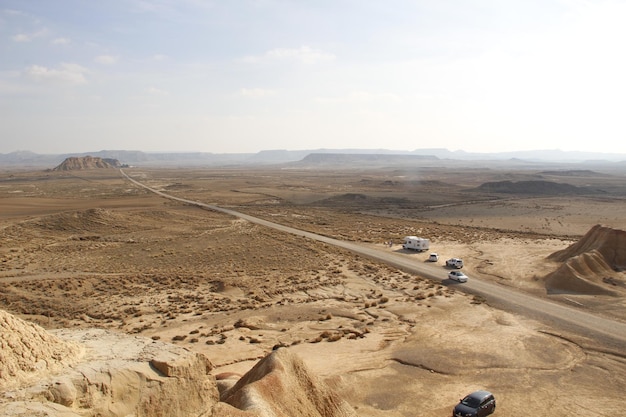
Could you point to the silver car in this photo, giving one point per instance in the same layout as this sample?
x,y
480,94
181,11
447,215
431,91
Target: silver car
x,y
457,276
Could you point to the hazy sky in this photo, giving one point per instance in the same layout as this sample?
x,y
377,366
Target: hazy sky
x,y
249,75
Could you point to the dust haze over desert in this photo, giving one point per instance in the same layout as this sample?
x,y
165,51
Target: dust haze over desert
x,y
122,297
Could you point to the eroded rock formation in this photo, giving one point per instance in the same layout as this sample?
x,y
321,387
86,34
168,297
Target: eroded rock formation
x,y
593,265
96,372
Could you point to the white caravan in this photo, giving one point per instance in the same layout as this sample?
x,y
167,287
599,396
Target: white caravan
x,y
416,243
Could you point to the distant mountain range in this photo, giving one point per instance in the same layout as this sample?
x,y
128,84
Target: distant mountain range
x,y
314,157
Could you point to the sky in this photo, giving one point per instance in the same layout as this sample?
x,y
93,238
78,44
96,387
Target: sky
x,y
232,76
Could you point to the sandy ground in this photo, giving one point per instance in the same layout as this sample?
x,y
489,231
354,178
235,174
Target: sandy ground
x,y
91,250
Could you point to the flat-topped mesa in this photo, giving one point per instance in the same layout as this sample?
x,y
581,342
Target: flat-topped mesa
x,y
86,162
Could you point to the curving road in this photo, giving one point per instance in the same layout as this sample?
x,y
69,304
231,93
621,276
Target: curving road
x,y
610,333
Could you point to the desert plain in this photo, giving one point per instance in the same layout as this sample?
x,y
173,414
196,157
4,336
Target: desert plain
x,y
91,249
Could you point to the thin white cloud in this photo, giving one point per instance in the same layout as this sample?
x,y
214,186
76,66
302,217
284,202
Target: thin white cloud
x,y
106,59
360,97
169,7
153,91
304,55
256,92
60,41
13,12
29,37
21,37
66,73
9,83
159,57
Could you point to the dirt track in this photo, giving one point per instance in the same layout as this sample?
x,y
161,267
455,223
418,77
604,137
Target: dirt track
x,y
393,343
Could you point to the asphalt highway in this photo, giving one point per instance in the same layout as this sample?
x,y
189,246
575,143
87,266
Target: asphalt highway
x,y
602,330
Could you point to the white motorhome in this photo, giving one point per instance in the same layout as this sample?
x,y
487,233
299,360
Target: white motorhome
x,y
416,243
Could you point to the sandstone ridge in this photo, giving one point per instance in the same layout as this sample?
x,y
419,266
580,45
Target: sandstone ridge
x,y
95,372
593,265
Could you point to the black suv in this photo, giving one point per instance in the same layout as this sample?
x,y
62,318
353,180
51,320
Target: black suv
x,y
477,404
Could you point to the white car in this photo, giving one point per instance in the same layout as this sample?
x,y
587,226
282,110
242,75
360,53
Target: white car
x,y
457,276
433,257
455,263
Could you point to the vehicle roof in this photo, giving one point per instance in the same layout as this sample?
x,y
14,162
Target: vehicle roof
x,y
480,394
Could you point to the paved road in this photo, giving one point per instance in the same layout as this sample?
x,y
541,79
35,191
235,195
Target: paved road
x,y
610,333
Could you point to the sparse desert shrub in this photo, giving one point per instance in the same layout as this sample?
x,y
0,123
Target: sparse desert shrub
x,y
179,337
156,337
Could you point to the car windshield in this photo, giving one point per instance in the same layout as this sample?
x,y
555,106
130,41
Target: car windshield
x,y
471,401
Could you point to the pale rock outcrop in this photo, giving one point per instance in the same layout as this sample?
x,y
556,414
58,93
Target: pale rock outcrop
x,y
95,372
28,351
118,375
